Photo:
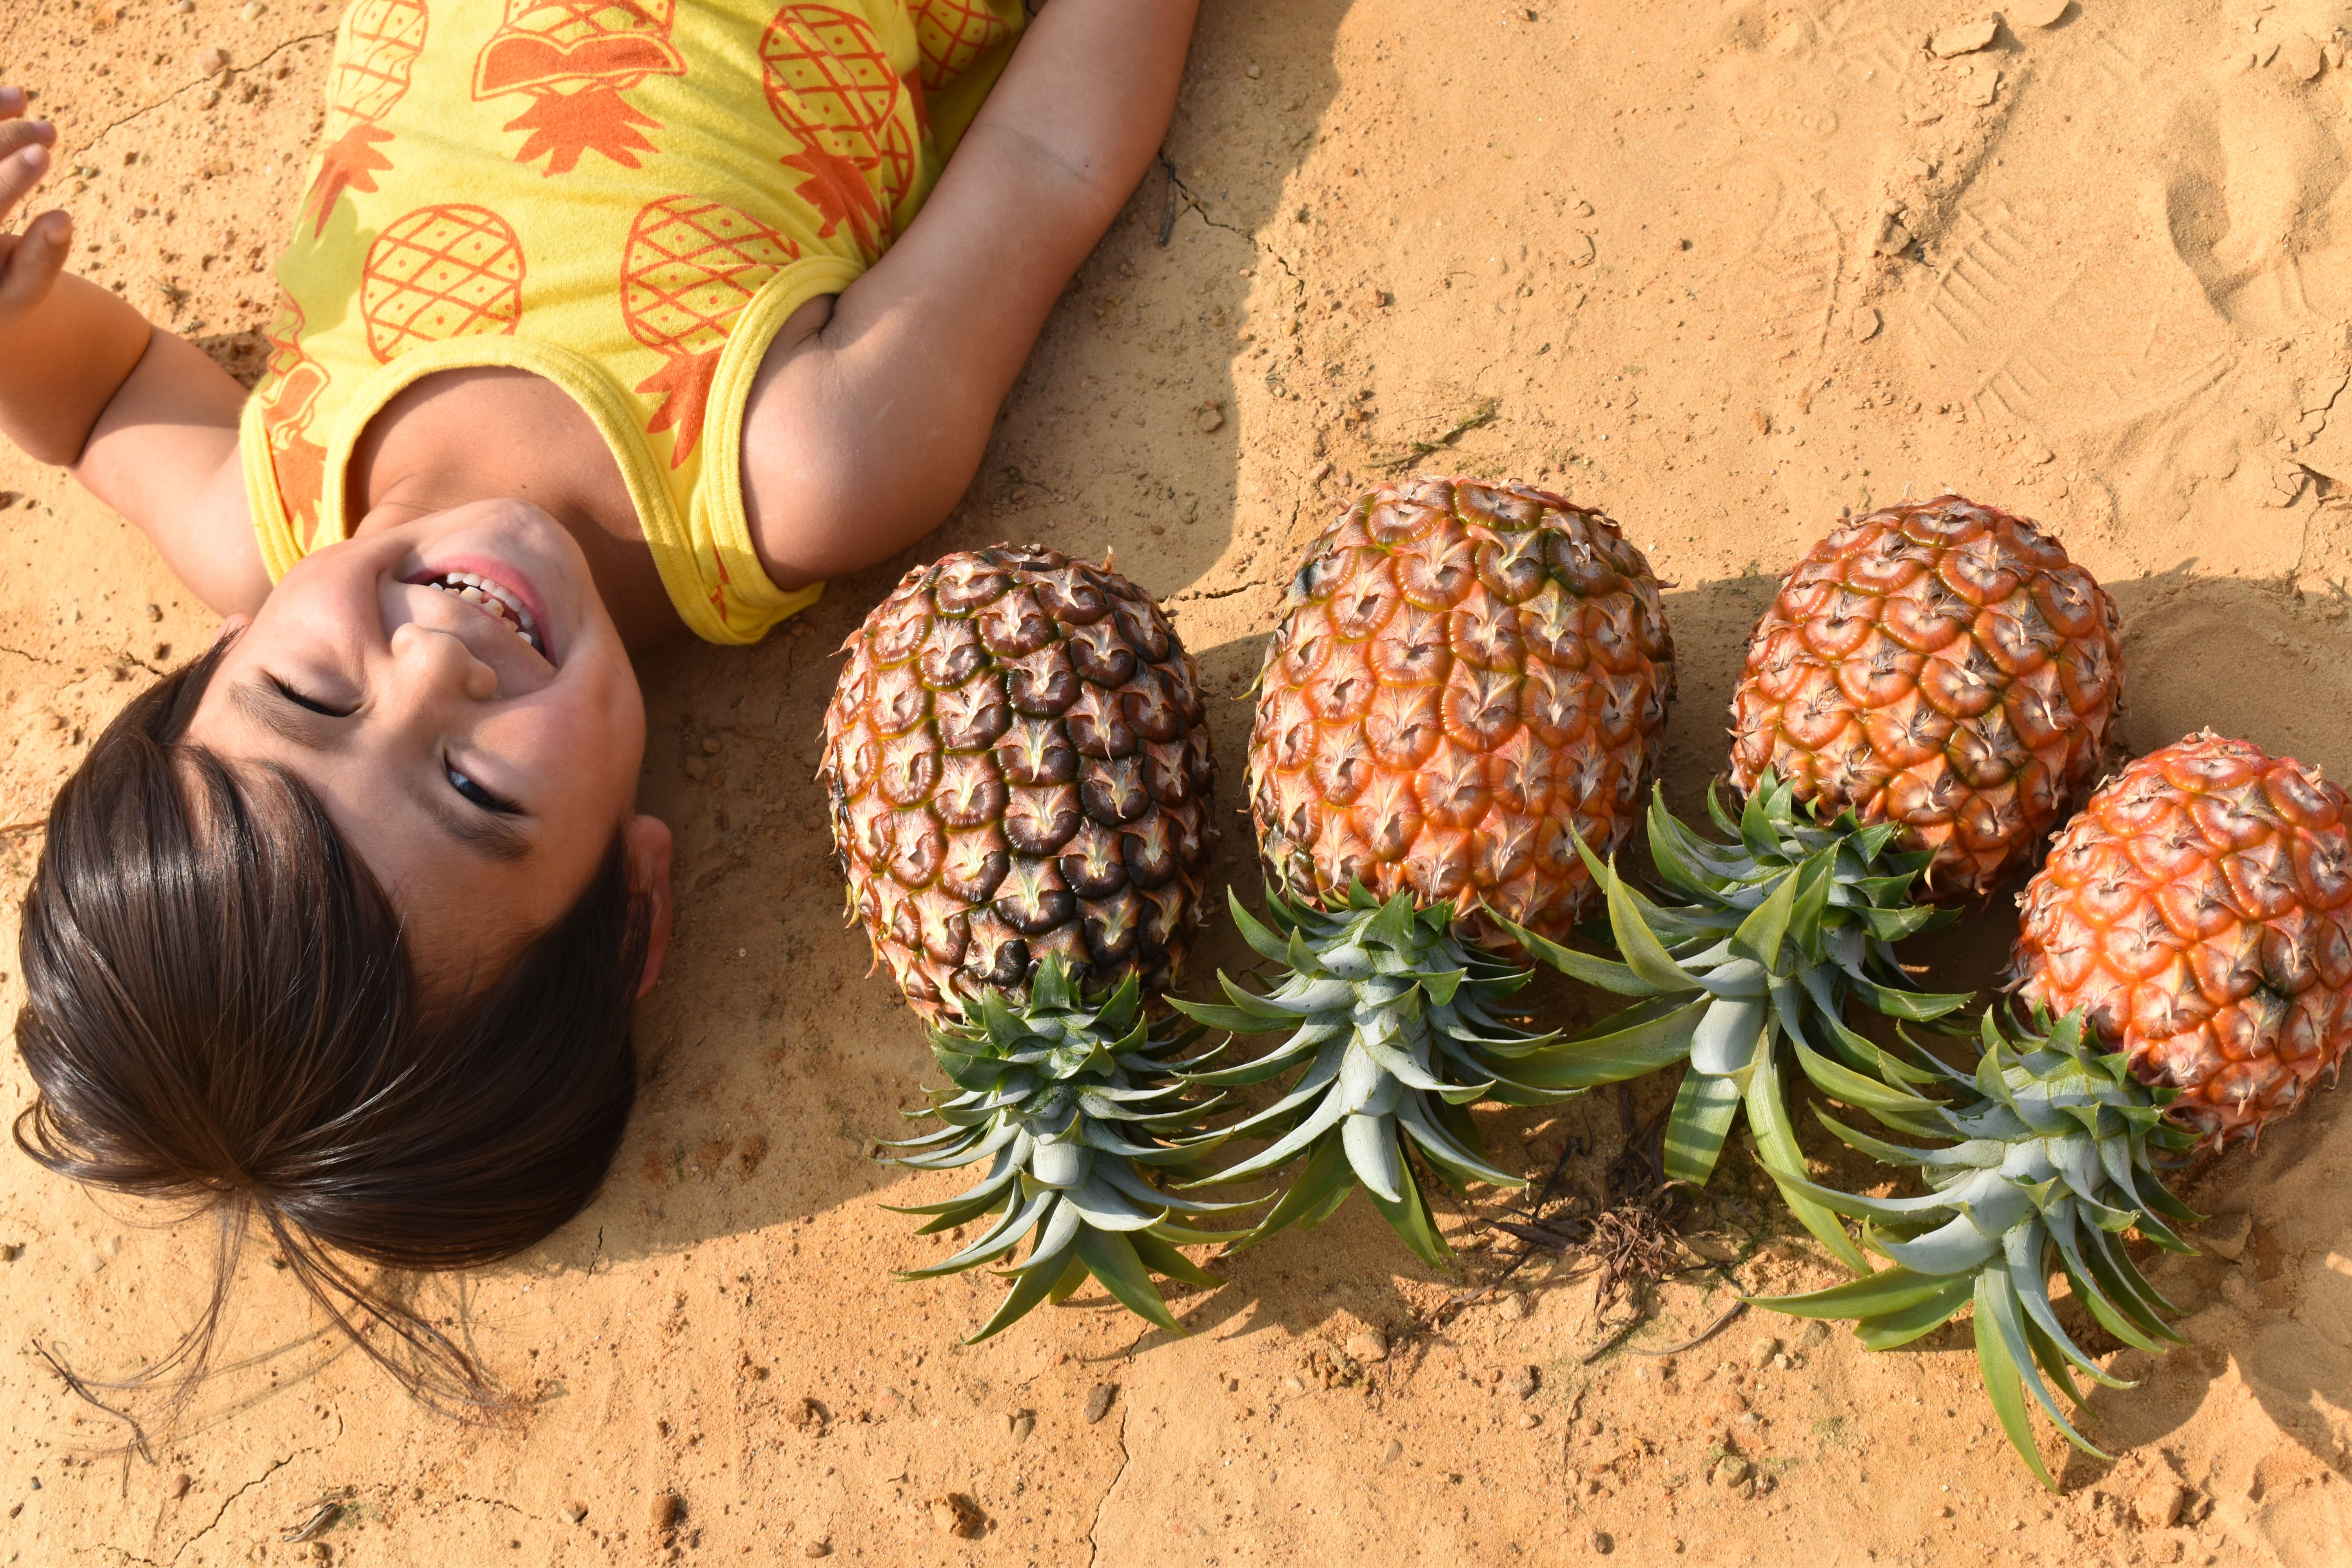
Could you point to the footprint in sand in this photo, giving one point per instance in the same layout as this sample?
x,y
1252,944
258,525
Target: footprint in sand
x,y
2257,206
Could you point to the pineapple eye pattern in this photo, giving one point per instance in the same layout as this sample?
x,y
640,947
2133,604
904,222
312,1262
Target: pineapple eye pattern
x,y
1416,706
1968,650
1045,765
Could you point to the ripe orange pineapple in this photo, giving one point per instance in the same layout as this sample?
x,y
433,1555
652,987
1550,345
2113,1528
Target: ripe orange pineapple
x,y
832,87
1463,672
2200,908
382,39
688,269
1466,679
1941,665
1019,770
447,271
575,58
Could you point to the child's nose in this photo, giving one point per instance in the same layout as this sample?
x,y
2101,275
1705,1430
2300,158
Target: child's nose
x,y
443,661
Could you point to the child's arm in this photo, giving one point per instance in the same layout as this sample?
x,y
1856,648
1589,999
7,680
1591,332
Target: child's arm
x,y
861,434
145,421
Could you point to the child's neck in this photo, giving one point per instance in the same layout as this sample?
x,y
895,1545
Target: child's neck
x,y
469,434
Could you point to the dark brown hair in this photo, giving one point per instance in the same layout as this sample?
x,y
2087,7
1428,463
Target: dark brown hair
x,y
220,1006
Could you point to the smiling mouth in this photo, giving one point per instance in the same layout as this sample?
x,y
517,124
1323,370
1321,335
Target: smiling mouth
x,y
494,599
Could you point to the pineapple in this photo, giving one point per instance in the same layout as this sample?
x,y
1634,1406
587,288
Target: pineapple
x,y
689,268
1019,766
381,42
951,35
2057,1149
845,111
1072,1101
1466,679
1019,775
575,58
1764,936
1942,666
448,271
2200,909
289,394
2193,930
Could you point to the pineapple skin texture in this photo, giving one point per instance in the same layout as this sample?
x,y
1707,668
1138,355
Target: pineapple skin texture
x,y
2200,907
1461,673
1017,764
1941,665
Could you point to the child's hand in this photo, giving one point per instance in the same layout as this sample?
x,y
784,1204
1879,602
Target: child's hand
x,y
29,262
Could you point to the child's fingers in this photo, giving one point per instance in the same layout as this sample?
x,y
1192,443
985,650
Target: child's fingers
x,y
21,167
32,267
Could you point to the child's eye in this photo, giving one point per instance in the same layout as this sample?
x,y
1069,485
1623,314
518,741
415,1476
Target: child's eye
x,y
475,793
313,703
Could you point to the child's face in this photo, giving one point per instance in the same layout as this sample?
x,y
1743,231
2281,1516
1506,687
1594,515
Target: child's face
x,y
479,760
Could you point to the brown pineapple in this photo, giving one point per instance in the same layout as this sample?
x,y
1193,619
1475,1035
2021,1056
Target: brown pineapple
x,y
1941,665
1019,767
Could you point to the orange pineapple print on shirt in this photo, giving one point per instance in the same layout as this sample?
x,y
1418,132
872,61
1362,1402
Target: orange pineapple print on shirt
x,y
371,76
575,58
835,93
952,34
448,271
690,268
290,396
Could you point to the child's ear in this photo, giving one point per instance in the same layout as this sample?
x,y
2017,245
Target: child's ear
x,y
646,843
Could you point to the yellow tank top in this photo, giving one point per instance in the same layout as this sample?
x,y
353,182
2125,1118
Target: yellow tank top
x,y
625,196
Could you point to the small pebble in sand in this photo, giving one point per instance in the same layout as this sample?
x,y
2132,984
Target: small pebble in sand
x,y
1392,1452
1978,86
1865,324
250,10
959,1516
10,1251
2301,55
1512,1307
2158,1504
1369,1345
1209,419
576,1511
180,1485
211,62
1603,1542
1964,37
1730,1471
1098,1402
2225,1235
2035,13
667,1509
1526,1381
1760,1353
817,1549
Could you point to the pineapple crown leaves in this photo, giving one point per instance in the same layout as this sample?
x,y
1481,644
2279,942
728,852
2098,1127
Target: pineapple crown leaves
x,y
1075,1103
1393,1029
2057,1152
1764,936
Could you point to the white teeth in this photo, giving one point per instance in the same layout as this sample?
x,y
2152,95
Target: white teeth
x,y
494,597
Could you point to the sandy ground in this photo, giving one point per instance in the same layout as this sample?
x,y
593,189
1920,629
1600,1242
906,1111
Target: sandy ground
x,y
1724,269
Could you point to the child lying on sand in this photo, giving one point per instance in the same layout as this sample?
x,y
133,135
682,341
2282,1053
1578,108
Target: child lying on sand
x,y
593,326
